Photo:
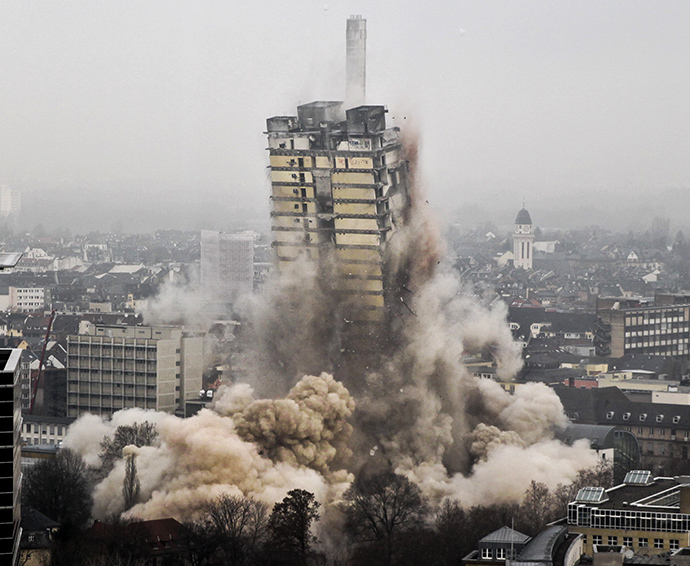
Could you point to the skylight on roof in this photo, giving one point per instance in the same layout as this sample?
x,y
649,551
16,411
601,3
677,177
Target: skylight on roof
x,y
638,477
591,495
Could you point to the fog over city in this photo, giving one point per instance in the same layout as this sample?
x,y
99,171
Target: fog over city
x,y
143,115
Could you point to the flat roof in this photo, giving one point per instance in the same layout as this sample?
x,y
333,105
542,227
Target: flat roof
x,y
626,496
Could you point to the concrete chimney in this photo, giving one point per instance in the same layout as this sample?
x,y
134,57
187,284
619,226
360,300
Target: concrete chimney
x,y
356,61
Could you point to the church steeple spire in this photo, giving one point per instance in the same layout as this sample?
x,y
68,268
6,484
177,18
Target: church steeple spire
x,y
523,239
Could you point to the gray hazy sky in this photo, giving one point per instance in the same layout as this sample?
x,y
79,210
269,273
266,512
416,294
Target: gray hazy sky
x,y
553,101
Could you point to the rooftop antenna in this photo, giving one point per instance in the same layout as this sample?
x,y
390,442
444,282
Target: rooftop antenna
x,y
356,61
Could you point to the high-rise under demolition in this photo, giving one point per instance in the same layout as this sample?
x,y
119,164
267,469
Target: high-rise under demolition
x,y
340,190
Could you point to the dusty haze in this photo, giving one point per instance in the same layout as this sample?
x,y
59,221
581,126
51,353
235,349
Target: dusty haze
x,y
144,115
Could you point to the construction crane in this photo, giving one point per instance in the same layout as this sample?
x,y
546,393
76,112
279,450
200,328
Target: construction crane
x,y
34,385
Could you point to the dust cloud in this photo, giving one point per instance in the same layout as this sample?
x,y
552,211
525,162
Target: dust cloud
x,y
327,401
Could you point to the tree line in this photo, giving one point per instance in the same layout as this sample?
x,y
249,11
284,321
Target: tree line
x,y
383,519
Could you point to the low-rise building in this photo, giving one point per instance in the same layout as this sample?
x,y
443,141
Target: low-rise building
x,y
497,547
649,515
45,430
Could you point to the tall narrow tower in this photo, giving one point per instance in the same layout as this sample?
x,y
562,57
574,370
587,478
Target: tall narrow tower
x,y
356,62
523,239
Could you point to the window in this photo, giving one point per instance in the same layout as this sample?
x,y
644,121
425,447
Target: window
x,y
626,416
596,539
676,419
642,542
486,554
500,553
658,543
609,415
627,541
674,544
659,418
643,417
612,540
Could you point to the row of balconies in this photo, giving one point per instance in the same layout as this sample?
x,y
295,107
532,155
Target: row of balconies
x,y
152,355
112,365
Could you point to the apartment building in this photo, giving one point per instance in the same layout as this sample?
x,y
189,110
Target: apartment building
x,y
29,299
661,330
38,429
119,367
662,430
227,263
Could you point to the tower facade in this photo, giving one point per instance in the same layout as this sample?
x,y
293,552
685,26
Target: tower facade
x,y
227,263
339,190
10,201
523,240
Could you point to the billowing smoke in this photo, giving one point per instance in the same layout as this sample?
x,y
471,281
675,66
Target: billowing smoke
x,y
400,398
262,448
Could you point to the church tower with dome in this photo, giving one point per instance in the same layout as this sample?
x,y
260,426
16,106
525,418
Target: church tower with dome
x,y
523,240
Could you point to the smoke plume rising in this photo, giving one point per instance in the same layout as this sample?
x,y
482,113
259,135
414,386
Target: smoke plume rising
x,y
322,407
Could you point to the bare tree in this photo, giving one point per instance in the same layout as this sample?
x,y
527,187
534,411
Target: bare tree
x,y
201,542
451,529
144,434
537,507
379,508
241,524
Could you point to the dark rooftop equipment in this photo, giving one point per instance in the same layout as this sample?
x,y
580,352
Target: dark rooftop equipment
x,y
282,124
366,119
311,116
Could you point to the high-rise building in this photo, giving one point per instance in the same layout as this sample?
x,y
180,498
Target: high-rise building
x,y
340,188
523,240
10,455
10,201
120,367
227,263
